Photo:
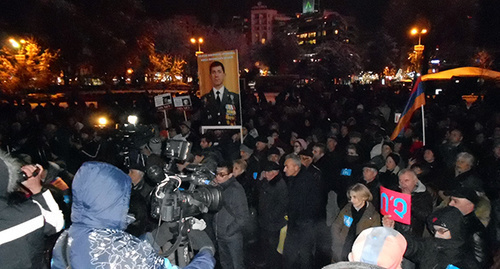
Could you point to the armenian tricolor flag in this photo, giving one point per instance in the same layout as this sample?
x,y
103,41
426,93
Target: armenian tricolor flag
x,y
417,100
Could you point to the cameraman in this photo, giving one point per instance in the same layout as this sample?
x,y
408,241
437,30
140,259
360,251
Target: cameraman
x,y
26,221
101,194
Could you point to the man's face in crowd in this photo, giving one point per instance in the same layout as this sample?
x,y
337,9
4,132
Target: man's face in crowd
x,y
407,182
184,129
317,154
204,143
462,166
291,168
331,144
455,137
369,174
260,146
217,75
273,158
464,205
270,175
386,150
442,232
244,155
496,151
306,160
222,175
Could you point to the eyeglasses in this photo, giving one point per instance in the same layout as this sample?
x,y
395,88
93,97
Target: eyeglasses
x,y
221,174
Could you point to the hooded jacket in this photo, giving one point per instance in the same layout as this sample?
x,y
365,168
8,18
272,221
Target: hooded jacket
x,y
96,239
23,225
439,253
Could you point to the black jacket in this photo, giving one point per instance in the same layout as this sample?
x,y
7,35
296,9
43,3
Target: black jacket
x,y
273,199
421,207
436,253
467,179
304,201
477,238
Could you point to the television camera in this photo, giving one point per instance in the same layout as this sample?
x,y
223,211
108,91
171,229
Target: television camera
x,y
180,196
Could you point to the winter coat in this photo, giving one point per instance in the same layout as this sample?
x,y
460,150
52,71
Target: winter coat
x,y
273,199
101,194
389,179
421,207
304,201
437,253
233,216
24,224
340,228
477,237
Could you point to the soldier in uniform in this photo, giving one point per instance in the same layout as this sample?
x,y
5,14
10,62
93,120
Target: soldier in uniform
x,y
221,107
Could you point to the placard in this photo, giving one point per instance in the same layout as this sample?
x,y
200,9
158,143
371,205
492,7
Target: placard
x,y
396,204
163,101
219,88
183,102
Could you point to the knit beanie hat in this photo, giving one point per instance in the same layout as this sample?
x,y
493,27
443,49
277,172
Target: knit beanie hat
x,y
380,246
246,149
395,158
302,143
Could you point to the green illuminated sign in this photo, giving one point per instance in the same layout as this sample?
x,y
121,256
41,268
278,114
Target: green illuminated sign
x,y
308,6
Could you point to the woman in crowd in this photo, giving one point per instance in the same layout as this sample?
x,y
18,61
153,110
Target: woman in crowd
x,y
357,215
389,173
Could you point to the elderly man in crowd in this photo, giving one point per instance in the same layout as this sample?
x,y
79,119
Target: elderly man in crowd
x,y
304,209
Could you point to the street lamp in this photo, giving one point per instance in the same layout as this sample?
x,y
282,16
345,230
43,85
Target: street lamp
x,y
198,41
19,46
418,32
419,49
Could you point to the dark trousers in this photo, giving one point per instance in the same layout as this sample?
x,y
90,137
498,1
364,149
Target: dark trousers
x,y
231,252
269,243
323,256
299,246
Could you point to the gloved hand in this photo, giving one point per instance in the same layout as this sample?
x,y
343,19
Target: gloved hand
x,y
200,241
197,224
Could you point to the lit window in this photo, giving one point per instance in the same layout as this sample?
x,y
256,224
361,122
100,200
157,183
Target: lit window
x,y
324,32
336,32
263,41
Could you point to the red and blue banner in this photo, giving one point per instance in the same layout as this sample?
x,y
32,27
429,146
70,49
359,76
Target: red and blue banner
x,y
417,99
395,204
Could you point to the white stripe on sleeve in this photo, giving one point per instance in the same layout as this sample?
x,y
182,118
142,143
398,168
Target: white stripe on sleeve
x,y
21,230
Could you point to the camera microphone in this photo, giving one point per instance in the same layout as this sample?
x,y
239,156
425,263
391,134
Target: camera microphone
x,y
25,177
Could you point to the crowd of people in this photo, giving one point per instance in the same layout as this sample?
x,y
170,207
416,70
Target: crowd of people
x,y
304,174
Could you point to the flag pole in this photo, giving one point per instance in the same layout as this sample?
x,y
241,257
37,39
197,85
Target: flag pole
x,y
423,124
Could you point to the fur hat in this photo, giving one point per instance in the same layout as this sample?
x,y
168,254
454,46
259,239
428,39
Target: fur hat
x,y
9,174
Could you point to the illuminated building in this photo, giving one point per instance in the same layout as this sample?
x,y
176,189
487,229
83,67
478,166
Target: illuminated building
x,y
262,21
